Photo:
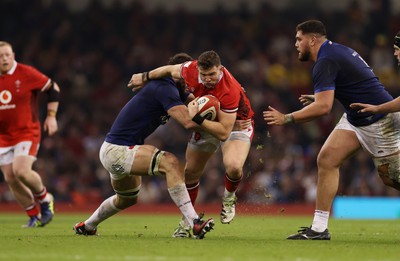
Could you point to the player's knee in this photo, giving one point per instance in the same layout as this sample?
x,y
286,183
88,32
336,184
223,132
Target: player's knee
x,y
234,170
233,166
389,182
20,172
163,162
325,161
169,162
389,170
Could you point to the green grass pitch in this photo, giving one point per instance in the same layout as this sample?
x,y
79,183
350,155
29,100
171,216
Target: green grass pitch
x,y
148,237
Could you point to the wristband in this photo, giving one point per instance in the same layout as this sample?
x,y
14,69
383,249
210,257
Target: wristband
x,y
145,76
288,118
198,119
51,113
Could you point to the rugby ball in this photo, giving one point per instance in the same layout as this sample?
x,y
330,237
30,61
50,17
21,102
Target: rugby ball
x,y
208,107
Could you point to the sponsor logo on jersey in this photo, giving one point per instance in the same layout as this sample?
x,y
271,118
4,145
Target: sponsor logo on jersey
x,y
5,99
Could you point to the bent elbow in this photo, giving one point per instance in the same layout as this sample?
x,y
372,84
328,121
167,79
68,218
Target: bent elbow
x,y
224,139
223,136
325,110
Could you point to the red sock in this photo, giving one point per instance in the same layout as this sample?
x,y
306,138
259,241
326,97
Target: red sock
x,y
231,185
32,210
41,195
193,190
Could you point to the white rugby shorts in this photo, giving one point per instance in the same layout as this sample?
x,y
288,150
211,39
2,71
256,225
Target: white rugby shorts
x,y
117,160
381,138
23,148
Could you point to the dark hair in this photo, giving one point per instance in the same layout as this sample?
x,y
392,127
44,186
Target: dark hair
x,y
208,59
311,27
179,58
397,40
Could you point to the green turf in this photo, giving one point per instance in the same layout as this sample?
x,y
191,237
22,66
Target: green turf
x,y
148,237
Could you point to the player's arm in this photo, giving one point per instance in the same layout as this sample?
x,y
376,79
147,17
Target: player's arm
x,y
50,123
138,80
222,128
321,106
180,113
241,125
391,106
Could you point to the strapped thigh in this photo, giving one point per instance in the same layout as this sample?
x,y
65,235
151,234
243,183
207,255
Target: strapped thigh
x,y
155,162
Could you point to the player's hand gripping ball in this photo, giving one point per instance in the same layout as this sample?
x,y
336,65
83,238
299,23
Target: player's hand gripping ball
x,y
208,107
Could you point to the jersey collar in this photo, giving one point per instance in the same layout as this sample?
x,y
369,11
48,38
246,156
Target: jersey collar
x,y
322,45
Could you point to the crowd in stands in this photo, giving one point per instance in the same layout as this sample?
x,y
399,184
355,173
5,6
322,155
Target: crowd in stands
x,y
93,53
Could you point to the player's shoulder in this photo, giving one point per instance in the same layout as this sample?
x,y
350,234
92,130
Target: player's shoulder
x,y
26,69
334,50
161,86
229,81
189,72
189,68
189,64
23,66
164,82
227,75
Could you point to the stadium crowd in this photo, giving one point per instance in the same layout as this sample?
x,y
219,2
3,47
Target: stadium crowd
x,y
92,54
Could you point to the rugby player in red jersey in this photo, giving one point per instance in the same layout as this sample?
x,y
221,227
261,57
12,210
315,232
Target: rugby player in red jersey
x,y
20,133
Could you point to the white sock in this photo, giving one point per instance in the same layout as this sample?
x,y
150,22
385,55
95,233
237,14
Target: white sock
x,y
46,199
104,211
228,194
320,222
180,196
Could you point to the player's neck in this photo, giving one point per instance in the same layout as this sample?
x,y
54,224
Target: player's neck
x,y
316,48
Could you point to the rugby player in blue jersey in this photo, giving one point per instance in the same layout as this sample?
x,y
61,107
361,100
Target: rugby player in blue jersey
x,y
125,156
340,73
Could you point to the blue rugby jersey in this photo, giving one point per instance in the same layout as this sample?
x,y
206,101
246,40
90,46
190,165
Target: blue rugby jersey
x,y
343,70
145,112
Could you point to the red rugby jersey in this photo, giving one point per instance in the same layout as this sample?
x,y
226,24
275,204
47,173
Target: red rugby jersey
x,y
19,90
228,90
